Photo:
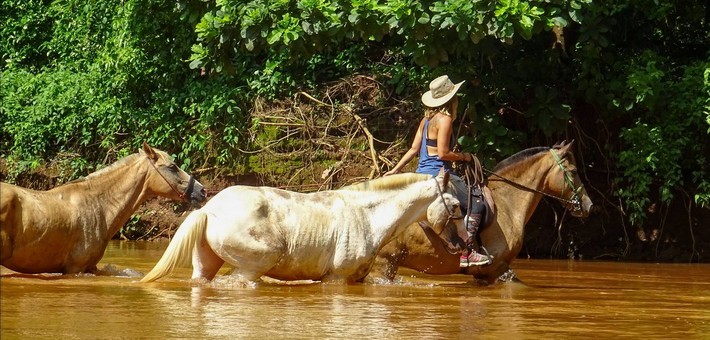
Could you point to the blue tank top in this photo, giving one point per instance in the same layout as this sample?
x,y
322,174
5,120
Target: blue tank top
x,y
430,164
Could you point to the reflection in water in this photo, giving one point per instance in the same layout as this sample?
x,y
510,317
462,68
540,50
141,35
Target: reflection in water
x,y
563,299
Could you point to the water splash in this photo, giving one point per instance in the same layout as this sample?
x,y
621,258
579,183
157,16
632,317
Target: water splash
x,y
112,270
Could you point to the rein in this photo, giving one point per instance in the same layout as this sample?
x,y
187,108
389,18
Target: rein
x,y
190,184
575,201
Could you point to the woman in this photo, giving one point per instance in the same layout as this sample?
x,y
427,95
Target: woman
x,y
433,142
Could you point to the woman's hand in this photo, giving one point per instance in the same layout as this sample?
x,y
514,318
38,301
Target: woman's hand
x,y
391,172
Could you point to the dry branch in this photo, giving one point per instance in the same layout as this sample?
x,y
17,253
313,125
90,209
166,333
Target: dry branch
x,y
328,138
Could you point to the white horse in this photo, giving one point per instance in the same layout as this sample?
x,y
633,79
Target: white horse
x,y
328,235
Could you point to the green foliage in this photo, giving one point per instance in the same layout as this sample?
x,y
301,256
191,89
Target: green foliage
x,y
706,86
132,229
238,29
630,64
629,79
55,111
665,149
116,76
644,82
24,30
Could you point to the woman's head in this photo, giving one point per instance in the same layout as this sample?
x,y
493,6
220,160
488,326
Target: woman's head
x,y
441,97
448,109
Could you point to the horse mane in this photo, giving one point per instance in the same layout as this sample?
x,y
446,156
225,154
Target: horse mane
x,y
107,169
519,156
121,162
388,183
118,163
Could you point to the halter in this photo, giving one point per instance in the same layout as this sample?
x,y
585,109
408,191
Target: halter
x,y
575,201
190,182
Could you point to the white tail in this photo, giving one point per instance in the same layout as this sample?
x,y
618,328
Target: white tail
x,y
179,250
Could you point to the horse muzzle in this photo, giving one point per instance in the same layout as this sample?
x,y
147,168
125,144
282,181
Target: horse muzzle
x,y
195,191
583,208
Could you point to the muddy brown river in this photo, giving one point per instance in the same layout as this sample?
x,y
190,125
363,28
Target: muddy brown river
x,y
559,299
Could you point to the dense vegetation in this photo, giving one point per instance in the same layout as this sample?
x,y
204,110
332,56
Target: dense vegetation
x,y
241,87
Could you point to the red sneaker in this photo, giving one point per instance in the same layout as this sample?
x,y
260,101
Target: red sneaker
x,y
474,259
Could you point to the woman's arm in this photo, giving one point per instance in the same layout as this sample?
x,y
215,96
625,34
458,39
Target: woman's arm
x,y
411,153
443,149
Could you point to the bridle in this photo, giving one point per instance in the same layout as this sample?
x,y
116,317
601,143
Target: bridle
x,y
575,201
190,182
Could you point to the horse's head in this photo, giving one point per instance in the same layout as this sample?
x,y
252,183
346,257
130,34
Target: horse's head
x,y
444,215
563,181
172,181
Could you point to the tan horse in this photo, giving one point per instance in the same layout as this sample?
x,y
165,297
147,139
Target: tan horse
x,y
330,235
517,184
67,229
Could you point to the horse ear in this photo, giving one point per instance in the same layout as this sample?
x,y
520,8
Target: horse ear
x,y
149,151
562,144
566,148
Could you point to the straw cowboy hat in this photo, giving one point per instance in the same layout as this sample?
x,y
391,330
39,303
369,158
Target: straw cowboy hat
x,y
441,90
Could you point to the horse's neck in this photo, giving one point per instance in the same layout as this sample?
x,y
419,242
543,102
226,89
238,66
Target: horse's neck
x,y
396,210
516,203
117,192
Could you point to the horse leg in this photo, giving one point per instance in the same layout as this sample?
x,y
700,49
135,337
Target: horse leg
x,y
258,263
490,274
250,261
392,265
5,247
388,260
91,269
205,262
8,204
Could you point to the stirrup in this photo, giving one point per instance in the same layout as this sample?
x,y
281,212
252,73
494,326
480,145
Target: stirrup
x,y
488,255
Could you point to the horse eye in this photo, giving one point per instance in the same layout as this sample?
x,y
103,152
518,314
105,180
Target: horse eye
x,y
173,168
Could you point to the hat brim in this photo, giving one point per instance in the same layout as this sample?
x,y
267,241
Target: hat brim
x,y
429,100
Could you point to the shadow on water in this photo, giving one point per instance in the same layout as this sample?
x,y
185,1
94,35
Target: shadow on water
x,y
45,277
108,270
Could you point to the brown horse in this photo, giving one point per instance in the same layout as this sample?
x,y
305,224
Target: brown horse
x,y
66,229
518,183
